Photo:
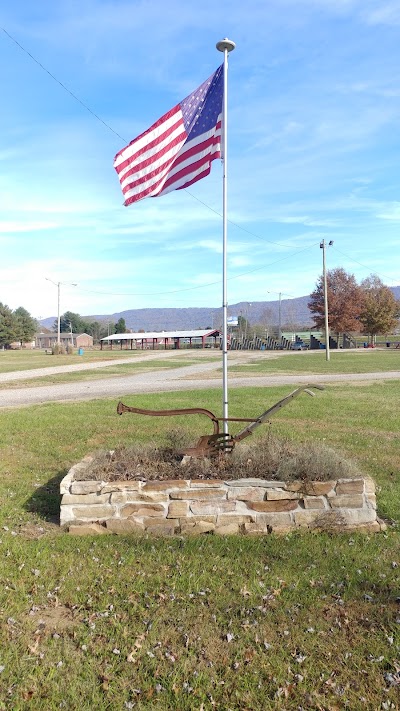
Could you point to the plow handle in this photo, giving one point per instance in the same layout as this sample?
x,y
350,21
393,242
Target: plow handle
x,y
247,431
121,408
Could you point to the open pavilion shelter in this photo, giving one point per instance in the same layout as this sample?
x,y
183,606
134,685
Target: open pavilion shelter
x,y
167,340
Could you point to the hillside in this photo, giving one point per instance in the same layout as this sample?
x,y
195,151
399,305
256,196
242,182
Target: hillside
x,y
294,312
166,319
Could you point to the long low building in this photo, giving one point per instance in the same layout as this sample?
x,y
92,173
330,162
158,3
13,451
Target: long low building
x,y
155,340
78,340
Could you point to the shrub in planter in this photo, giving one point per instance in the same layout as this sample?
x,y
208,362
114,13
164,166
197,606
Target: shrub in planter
x,y
58,349
269,458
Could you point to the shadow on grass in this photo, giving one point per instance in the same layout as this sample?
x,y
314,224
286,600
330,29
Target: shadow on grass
x,y
46,499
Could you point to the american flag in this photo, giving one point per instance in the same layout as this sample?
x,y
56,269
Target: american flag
x,y
177,150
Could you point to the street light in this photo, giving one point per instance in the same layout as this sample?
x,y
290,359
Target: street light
x,y
58,284
323,247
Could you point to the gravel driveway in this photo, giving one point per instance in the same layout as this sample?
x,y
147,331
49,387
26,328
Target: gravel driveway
x,y
191,377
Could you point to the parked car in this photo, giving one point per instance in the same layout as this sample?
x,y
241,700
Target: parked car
x,y
299,346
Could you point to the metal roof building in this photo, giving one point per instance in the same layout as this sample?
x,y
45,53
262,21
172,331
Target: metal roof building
x,y
156,340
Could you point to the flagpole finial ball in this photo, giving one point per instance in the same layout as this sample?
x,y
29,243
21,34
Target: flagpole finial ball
x,y
225,44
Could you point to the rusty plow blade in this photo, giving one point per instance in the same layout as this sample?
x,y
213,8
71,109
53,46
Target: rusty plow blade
x,y
219,442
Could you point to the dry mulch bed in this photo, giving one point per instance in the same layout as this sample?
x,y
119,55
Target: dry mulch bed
x,y
268,458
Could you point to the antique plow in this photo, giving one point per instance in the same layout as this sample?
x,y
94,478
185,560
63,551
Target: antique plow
x,y
220,442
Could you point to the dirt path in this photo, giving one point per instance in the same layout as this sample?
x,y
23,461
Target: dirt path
x,y
57,369
190,377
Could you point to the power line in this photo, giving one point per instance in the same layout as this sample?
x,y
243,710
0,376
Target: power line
x,y
363,265
200,286
82,103
61,84
264,239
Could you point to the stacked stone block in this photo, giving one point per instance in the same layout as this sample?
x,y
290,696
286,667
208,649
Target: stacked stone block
x,y
246,506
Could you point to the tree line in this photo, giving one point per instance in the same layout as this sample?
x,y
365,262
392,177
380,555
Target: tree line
x,y
70,321
16,326
19,326
369,308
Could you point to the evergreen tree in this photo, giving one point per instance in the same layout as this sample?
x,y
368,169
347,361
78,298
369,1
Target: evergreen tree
x,y
97,330
70,319
7,325
120,326
25,325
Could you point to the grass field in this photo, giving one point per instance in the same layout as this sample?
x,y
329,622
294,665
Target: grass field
x,y
11,361
255,363
360,361
305,621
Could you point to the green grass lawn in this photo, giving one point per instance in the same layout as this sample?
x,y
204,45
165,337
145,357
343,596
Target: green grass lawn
x,y
360,361
11,361
302,621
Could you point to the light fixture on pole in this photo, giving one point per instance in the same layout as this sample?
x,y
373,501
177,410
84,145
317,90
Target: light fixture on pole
x,y
327,348
58,284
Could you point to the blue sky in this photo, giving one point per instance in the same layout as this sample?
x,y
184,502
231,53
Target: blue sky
x,y
314,150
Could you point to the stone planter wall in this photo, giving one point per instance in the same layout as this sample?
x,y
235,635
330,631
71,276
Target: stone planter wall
x,y
247,506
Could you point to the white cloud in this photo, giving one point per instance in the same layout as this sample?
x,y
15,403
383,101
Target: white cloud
x,y
11,227
383,13
392,213
236,262
313,115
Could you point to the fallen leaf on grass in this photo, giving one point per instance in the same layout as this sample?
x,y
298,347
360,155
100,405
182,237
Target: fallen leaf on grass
x,y
248,655
27,695
34,648
105,685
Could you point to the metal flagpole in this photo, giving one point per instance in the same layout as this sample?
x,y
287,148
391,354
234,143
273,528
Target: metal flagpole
x,y
225,46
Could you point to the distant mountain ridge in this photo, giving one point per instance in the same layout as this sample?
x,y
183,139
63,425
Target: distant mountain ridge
x,y
294,312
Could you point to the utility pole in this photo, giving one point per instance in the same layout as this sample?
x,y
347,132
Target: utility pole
x,y
280,319
247,309
58,284
327,349
280,311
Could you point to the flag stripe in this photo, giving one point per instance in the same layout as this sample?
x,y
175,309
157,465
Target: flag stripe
x,y
154,162
178,149
179,176
160,143
198,145
189,160
142,141
152,180
188,177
